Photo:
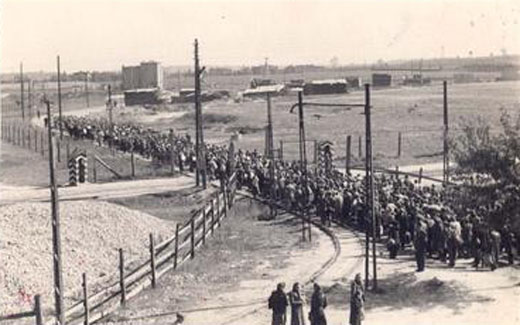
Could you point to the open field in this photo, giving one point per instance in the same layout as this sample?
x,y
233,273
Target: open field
x,y
414,111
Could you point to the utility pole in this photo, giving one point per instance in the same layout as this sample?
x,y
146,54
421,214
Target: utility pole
x,y
199,144
370,184
110,106
22,105
446,160
303,156
56,235
29,97
59,98
270,140
86,89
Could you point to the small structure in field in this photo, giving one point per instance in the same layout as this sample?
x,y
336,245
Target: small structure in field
x,y
258,82
381,80
187,95
324,87
354,82
262,91
416,80
148,96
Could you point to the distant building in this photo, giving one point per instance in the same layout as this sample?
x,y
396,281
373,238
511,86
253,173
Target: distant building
x,y
146,75
508,75
262,91
142,97
354,82
381,80
323,87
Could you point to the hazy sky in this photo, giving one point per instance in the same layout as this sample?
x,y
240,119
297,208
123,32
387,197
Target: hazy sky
x,y
103,35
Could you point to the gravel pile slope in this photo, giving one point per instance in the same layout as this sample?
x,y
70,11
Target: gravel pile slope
x,y
92,232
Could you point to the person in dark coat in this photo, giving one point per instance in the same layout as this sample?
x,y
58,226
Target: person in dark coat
x,y
278,303
296,300
357,301
420,248
318,305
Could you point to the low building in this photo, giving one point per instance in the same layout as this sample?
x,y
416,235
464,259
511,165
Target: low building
x,y
381,80
148,96
262,91
354,82
324,87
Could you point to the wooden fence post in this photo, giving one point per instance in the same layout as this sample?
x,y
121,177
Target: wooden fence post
x,y
152,261
212,223
132,161
176,245
347,162
203,226
360,148
38,310
218,205
399,145
29,138
86,318
94,170
122,276
225,201
420,175
213,211
192,237
281,149
23,136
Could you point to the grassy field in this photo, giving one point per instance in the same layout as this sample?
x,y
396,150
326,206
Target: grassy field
x,y
417,112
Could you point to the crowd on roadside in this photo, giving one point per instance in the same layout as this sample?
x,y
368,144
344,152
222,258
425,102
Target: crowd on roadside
x,y
425,218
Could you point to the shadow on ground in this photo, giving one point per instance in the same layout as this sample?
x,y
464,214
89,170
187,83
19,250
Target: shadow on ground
x,y
402,290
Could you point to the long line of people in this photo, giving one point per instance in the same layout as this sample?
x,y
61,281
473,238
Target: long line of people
x,y
427,218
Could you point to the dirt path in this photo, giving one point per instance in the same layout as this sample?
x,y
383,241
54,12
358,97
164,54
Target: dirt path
x,y
14,194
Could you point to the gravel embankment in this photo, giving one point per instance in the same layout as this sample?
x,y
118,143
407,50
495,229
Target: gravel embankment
x,y
91,233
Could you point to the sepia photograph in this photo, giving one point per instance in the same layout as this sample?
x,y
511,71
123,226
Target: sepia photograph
x,y
260,162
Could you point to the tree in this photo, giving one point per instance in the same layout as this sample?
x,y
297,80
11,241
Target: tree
x,y
489,167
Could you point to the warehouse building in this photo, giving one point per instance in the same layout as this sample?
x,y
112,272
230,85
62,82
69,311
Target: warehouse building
x,y
146,75
381,80
323,87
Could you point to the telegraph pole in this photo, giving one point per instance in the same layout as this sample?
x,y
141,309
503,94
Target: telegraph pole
x,y
303,158
201,156
370,186
446,162
59,98
270,140
22,104
86,89
56,236
110,121
29,97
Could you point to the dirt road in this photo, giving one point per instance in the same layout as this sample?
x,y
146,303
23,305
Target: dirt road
x,y
14,194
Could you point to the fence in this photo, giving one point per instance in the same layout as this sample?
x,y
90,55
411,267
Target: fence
x,y
120,164
36,313
165,256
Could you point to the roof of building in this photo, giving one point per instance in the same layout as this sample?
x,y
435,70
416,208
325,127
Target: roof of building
x,y
264,89
328,81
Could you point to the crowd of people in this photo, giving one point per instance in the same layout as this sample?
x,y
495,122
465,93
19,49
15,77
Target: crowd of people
x,y
427,218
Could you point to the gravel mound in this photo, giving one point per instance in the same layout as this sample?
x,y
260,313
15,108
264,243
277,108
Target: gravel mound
x,y
91,234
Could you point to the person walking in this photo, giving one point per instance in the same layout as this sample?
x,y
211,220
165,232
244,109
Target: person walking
x,y
278,303
357,301
420,247
318,305
296,300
